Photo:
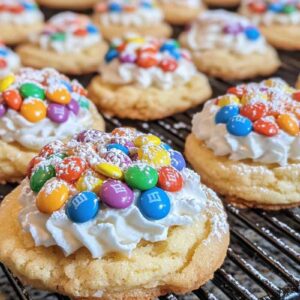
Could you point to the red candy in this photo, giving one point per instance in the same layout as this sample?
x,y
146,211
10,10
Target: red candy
x,y
168,65
80,32
13,99
253,111
266,128
16,9
51,148
32,164
258,7
169,179
147,59
296,96
79,90
238,91
70,168
3,63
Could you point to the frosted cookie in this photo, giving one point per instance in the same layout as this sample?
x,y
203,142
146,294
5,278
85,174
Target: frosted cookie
x,y
147,79
245,145
69,43
69,4
222,3
228,46
38,107
118,18
106,208
9,61
279,21
18,20
180,12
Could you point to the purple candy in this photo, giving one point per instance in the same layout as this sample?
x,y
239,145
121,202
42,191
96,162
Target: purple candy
x,y
91,135
118,158
235,28
57,113
2,110
116,194
73,106
127,58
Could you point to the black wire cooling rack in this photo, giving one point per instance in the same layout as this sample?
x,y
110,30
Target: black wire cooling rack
x,y
263,260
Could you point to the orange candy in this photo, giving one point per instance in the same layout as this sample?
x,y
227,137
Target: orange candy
x,y
13,99
61,96
52,196
296,96
265,127
32,164
289,124
33,110
70,168
253,111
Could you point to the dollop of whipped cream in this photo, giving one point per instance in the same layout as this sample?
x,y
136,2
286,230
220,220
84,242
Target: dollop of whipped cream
x,y
135,13
272,12
9,61
170,65
14,127
184,3
68,32
20,12
220,29
279,148
112,230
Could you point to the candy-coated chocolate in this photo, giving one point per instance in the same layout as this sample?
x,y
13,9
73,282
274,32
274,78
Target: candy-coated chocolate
x,y
116,194
145,139
60,95
109,170
225,113
13,99
58,36
228,99
258,7
288,123
89,182
83,207
239,126
52,196
146,59
276,7
73,106
154,204
84,102
33,110
177,160
119,147
168,65
40,176
32,90
254,111
51,148
2,110
6,82
252,33
265,127
296,96
169,179
70,169
141,177
57,113
89,135
118,158
111,54
36,160
154,155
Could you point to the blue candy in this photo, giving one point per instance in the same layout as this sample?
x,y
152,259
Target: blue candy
x,y
29,6
92,29
276,7
3,52
168,46
252,33
67,85
154,204
83,207
166,146
111,54
226,112
119,147
177,160
239,126
146,5
115,7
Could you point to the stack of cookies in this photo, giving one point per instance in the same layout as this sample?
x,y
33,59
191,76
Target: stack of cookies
x,y
119,215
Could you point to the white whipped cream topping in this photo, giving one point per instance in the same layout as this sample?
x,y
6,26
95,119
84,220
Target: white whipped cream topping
x,y
112,230
118,73
72,42
184,3
207,33
12,60
26,17
278,149
270,17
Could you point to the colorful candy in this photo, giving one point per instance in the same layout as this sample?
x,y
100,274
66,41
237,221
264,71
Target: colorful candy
x,y
265,127
225,113
289,124
57,113
32,90
89,182
253,111
40,176
33,110
13,99
154,155
239,126
228,99
60,96
177,160
6,82
70,169
146,139
109,170
170,179
119,147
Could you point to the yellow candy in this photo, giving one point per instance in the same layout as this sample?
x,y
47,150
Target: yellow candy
x,y
89,182
270,83
52,196
247,97
109,170
33,110
135,39
6,82
287,123
228,99
145,139
154,155
61,96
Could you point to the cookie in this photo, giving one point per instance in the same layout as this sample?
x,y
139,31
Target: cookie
x,y
279,21
222,3
69,43
18,20
119,205
117,19
68,4
298,83
9,61
245,145
228,46
181,12
147,79
39,107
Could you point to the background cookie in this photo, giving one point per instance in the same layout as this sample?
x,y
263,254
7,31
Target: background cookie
x,y
68,4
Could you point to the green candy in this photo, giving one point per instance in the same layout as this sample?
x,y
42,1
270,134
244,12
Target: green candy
x,y
141,177
84,103
32,90
58,36
58,155
40,176
288,9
